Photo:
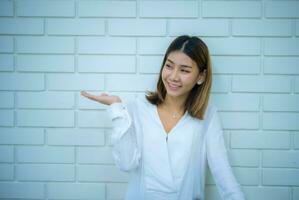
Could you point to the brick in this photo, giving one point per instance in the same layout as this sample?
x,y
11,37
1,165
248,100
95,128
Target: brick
x,y
6,172
45,100
108,63
46,8
6,153
41,44
295,193
22,26
244,158
281,46
272,102
262,192
272,65
75,26
21,81
258,27
155,46
202,27
247,176
6,8
237,46
21,136
107,9
102,45
105,173
281,9
116,190
261,84
93,119
45,63
128,82
7,100
6,44
71,137
221,83
176,9
22,190
236,102
236,65
137,27
45,118
232,9
278,177
240,120
6,117
150,64
296,141
6,62
260,140
287,121
75,82
43,154
76,190
288,159
94,155
45,172
296,84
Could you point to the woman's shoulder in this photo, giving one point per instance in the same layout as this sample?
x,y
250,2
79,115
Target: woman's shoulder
x,y
211,110
137,102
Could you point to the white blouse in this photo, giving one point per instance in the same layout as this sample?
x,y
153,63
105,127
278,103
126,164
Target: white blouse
x,y
170,166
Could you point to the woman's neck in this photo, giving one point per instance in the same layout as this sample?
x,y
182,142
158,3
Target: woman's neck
x,y
175,104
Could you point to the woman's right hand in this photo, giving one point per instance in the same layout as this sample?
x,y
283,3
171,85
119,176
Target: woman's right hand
x,y
103,98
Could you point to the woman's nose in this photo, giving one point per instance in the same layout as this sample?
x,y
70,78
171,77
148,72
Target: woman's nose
x,y
174,75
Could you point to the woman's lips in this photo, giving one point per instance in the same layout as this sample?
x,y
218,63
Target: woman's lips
x,y
173,87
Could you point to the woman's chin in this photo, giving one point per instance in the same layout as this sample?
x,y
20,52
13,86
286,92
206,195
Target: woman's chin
x,y
174,93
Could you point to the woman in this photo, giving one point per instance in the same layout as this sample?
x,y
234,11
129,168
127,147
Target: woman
x,y
166,138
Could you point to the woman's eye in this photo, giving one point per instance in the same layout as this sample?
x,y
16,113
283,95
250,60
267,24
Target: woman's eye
x,y
185,71
168,66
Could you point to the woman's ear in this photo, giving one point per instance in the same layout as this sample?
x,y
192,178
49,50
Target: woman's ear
x,y
202,77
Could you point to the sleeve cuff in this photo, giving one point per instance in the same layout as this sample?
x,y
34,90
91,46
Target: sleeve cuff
x,y
116,110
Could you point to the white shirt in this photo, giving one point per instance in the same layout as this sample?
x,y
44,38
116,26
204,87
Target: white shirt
x,y
170,166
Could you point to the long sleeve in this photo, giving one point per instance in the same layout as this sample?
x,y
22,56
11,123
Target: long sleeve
x,y
125,152
224,178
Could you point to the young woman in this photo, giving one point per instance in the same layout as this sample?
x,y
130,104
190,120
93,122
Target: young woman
x,y
167,138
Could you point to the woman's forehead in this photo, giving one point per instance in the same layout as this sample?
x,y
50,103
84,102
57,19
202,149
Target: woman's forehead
x,y
180,58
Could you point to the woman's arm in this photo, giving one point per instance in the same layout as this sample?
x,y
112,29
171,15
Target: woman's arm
x,y
224,178
123,138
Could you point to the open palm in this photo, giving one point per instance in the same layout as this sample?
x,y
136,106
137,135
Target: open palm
x,y
103,98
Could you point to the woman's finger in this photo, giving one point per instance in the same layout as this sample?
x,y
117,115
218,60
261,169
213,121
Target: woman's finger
x,y
90,96
102,98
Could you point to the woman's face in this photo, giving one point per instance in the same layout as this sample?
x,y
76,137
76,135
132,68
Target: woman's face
x,y
179,74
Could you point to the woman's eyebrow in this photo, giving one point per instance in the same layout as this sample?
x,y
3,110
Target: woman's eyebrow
x,y
180,65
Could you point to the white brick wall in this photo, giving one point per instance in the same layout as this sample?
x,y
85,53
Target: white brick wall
x,y
54,144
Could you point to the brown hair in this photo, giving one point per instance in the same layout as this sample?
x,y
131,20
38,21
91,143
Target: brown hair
x,y
197,100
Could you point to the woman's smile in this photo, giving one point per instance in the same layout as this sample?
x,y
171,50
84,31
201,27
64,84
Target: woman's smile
x,y
173,86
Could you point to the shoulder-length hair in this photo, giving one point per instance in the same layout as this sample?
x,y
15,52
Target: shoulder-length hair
x,y
197,100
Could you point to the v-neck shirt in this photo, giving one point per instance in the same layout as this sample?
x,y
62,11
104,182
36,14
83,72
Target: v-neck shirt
x,y
173,168
174,126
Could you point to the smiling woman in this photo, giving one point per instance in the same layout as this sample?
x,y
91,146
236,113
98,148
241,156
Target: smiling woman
x,y
167,138
186,74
